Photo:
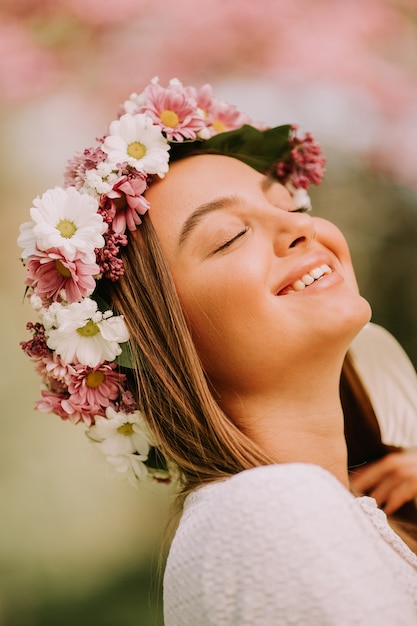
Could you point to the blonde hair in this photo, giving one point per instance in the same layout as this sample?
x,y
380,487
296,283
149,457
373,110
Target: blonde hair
x,y
169,382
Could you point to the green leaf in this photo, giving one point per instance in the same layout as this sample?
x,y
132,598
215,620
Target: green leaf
x,y
125,357
258,149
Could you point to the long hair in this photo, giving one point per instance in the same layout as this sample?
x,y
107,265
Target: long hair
x,y
169,382
172,391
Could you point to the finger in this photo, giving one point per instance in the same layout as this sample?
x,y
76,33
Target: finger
x,y
403,493
382,492
401,464
366,477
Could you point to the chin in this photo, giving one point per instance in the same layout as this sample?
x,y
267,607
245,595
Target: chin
x,y
354,318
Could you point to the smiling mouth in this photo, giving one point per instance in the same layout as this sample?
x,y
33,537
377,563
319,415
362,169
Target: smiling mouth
x,y
306,280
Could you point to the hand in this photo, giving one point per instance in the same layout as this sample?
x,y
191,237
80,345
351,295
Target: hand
x,y
392,480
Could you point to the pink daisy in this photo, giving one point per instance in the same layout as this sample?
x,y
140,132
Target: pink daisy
x,y
94,386
54,368
74,175
226,117
173,110
125,202
80,413
49,272
51,402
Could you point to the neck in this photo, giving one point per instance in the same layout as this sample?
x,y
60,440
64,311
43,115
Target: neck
x,y
299,421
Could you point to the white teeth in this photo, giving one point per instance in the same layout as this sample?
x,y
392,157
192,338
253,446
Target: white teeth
x,y
309,278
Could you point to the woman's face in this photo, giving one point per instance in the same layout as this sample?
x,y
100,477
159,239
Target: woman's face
x,y
239,252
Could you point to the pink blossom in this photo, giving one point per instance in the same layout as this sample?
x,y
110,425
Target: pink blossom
x,y
304,164
226,117
59,403
125,202
111,266
94,386
55,369
49,272
51,402
80,163
127,402
173,110
80,413
36,347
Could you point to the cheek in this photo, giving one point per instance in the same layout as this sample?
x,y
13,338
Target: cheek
x,y
332,238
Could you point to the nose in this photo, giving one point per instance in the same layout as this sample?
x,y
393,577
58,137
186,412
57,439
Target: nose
x,y
292,229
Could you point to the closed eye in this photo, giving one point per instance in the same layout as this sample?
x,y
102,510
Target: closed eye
x,y
301,210
230,241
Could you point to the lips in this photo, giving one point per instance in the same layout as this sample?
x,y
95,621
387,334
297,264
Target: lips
x,y
306,279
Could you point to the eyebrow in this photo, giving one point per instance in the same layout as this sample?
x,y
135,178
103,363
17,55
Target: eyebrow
x,y
196,216
218,204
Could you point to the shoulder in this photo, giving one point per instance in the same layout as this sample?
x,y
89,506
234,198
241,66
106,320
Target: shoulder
x,y
272,488
260,509
391,382
273,545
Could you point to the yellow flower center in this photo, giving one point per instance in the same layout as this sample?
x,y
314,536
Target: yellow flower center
x,y
66,228
136,150
89,330
94,379
219,126
169,118
61,269
126,429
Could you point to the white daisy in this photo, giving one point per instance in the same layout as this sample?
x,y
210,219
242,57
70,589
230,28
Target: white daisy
x,y
124,440
135,140
84,333
131,465
119,434
65,219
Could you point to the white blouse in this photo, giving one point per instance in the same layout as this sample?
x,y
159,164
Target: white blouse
x,y
288,545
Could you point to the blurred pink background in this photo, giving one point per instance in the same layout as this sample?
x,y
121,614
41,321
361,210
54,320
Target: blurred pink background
x,y
346,70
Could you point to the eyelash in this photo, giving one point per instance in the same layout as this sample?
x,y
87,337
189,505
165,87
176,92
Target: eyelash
x,y
228,243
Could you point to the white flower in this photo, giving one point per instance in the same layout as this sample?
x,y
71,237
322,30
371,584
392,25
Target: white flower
x,y
35,302
121,433
124,440
134,103
131,465
301,198
99,181
135,140
65,219
84,333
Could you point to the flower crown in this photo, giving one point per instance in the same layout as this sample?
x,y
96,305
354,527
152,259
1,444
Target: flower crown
x,y
76,233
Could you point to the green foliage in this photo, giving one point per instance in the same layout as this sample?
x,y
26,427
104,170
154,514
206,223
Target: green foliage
x,y
259,149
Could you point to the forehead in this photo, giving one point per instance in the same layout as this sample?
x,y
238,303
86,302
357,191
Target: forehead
x,y
195,181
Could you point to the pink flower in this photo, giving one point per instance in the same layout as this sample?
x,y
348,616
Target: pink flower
x,y
55,369
219,116
94,386
226,117
79,413
111,266
89,159
173,110
125,202
51,402
305,163
36,347
49,272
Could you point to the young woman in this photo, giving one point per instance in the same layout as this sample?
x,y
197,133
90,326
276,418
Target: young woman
x,y
240,309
